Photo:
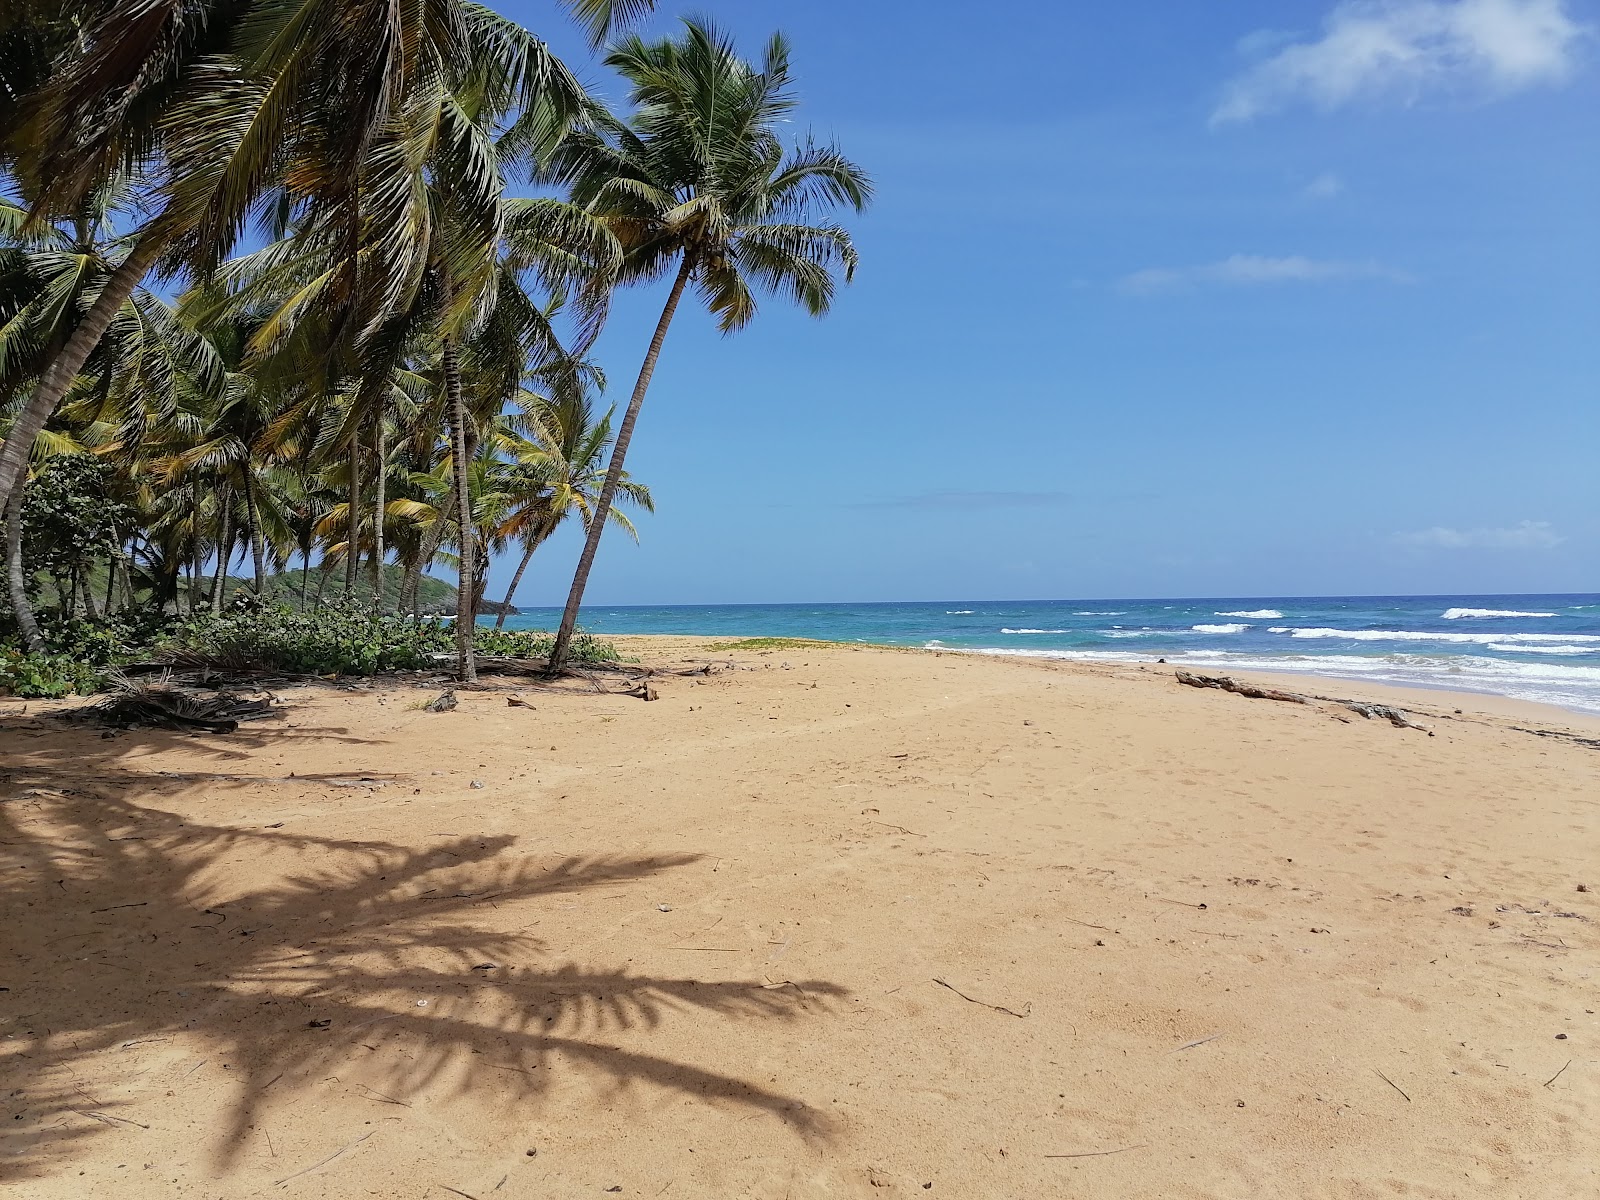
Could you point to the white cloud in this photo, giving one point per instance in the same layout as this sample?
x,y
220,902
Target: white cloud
x,y
1373,50
1324,187
1527,535
1245,270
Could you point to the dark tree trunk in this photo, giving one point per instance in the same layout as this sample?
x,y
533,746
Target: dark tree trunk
x,y
224,556
381,449
352,541
17,577
466,664
258,550
538,539
619,452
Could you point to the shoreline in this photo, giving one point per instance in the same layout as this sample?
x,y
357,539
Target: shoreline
x,y
1417,695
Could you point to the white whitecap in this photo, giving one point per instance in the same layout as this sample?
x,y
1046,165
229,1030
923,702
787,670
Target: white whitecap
x,y
1464,614
1526,649
1233,628
958,612
1402,635
1036,631
1260,614
1100,614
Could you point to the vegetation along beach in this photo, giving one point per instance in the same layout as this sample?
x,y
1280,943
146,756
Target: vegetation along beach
x,y
481,711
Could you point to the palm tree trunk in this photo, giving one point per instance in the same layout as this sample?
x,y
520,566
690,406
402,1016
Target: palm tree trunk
x,y
65,366
527,557
537,540
224,556
258,552
89,608
305,573
381,449
111,577
17,578
352,545
619,452
466,664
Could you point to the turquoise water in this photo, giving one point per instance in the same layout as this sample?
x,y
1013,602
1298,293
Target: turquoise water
x,y
1543,648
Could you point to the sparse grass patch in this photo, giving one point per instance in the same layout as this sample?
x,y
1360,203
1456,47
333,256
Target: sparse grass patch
x,y
774,643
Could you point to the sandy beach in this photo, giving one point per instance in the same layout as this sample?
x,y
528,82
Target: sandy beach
x,y
823,922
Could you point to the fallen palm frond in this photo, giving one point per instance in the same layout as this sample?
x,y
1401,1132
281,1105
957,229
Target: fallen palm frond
x,y
161,707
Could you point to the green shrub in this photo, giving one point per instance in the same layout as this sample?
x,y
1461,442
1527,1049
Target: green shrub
x,y
46,676
348,639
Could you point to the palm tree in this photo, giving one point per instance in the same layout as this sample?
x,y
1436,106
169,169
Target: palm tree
x,y
698,178
213,104
555,472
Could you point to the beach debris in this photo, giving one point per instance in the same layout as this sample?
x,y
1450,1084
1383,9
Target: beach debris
x,y
999,1008
476,785
517,702
1393,715
1227,684
445,701
1391,1083
663,908
1210,1037
1388,713
1560,735
324,1162
643,691
1096,1153
158,706
1557,1075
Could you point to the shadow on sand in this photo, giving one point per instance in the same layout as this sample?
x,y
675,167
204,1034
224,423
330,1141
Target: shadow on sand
x,y
126,931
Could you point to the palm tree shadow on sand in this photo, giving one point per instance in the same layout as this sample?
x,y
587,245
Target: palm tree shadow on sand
x,y
124,932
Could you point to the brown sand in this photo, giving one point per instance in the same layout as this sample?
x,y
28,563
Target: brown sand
x,y
1190,945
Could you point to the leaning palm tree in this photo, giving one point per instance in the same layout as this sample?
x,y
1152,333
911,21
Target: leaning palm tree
x,y
698,179
554,472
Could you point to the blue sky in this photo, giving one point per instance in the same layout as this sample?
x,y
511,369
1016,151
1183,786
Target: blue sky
x,y
1157,299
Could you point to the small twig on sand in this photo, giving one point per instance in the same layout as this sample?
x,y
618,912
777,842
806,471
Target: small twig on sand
x,y
1557,1075
1085,924
111,907
1210,1037
386,1098
108,1118
1010,1012
318,1165
1392,1084
1096,1153
458,1191
898,828
1185,903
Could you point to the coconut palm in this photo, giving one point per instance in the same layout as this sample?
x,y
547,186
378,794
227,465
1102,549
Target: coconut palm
x,y
697,184
556,471
213,105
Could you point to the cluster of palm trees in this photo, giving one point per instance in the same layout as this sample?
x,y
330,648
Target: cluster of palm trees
x,y
261,257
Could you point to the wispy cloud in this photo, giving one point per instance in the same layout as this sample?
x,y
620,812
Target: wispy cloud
x,y
1527,535
1254,270
1324,187
971,500
1398,50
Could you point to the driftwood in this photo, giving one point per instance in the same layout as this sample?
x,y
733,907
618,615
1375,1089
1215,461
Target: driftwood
x,y
445,701
168,708
1239,689
1393,715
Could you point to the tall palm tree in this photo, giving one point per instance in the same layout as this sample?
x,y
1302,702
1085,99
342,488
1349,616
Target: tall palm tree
x,y
698,179
213,104
555,471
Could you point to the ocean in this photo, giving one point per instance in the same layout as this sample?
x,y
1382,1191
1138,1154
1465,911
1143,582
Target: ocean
x,y
1542,648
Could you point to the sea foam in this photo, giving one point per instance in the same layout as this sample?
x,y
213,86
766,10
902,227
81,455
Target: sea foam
x,y
1403,635
1036,631
1260,614
1233,628
1460,614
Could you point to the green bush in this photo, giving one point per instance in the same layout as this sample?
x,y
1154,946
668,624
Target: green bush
x,y
347,639
46,676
